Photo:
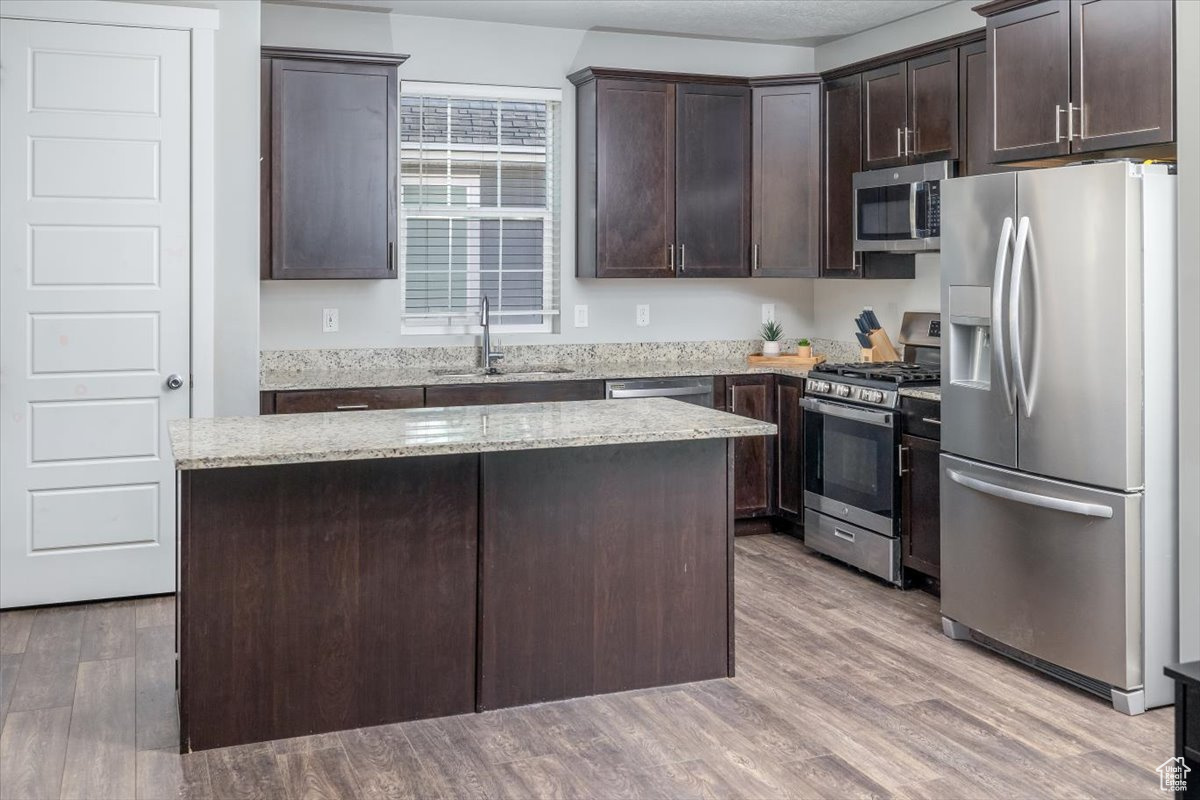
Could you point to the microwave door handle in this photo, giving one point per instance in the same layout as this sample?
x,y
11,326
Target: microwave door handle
x,y
1003,248
1031,498
914,190
1014,313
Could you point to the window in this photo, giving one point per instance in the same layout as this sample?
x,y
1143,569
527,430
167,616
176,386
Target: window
x,y
479,206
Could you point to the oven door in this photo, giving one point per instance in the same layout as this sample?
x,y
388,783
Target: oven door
x,y
849,464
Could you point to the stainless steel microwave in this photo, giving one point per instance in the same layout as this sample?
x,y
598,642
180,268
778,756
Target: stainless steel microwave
x,y
900,209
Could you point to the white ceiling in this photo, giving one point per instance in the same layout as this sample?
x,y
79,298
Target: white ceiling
x,y
805,22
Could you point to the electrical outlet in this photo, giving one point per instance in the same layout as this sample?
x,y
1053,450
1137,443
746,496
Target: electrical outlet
x,y
643,316
581,316
329,320
768,312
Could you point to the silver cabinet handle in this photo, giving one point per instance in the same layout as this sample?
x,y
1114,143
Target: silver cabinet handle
x,y
1058,122
899,146
1002,250
754,257
682,256
671,256
1071,109
900,470
1031,498
174,381
931,420
353,407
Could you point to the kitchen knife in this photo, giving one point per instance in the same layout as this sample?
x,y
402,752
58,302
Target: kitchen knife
x,y
872,320
863,339
862,324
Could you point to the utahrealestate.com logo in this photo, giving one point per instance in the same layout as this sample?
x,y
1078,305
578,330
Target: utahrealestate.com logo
x,y
1172,775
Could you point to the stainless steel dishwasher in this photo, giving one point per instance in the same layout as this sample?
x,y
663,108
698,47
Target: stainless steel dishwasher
x,y
697,391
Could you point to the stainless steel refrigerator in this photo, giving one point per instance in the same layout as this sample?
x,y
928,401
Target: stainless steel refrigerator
x,y
1059,423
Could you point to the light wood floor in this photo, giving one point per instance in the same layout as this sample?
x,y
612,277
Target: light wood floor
x,y
845,688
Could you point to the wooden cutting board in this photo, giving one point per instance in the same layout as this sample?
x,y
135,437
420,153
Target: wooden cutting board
x,y
784,360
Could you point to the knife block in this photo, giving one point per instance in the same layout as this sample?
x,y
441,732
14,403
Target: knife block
x,y
881,346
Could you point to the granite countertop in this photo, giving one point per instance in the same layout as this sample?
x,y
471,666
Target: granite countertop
x,y
208,443
922,392
358,378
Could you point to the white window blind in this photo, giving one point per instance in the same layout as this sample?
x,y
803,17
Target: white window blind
x,y
479,206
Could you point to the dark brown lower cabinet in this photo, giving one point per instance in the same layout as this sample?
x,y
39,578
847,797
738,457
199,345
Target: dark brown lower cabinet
x,y
754,457
789,448
920,506
475,394
306,401
603,569
320,597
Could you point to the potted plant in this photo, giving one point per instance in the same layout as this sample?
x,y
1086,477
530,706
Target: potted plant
x,y
772,335
804,348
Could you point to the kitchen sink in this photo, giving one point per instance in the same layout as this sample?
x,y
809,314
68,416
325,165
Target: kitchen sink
x,y
515,372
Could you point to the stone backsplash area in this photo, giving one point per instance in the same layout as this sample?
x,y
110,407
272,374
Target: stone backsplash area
x,y
521,355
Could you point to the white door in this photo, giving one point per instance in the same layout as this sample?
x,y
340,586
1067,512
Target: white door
x,y
94,306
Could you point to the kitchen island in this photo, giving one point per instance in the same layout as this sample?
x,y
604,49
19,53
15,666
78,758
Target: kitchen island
x,y
346,570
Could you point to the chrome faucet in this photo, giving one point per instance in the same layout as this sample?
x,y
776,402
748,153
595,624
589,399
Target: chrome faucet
x,y
487,356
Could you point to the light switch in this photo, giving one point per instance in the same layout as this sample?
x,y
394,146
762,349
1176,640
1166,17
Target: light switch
x,y
581,316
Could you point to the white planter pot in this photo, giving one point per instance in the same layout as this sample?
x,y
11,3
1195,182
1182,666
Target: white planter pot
x,y
770,348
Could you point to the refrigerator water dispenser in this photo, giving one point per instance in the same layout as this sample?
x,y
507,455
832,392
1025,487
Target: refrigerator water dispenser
x,y
970,345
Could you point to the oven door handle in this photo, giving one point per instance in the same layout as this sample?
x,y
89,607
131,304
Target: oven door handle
x,y
883,419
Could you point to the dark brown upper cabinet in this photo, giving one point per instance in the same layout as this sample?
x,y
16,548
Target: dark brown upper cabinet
x,y
1122,73
933,107
975,148
885,116
1078,76
330,191
662,175
626,172
712,180
785,207
843,158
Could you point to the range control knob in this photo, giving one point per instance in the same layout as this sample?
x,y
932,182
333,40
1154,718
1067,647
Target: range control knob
x,y
872,396
842,390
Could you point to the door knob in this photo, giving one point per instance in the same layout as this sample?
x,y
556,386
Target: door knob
x,y
174,381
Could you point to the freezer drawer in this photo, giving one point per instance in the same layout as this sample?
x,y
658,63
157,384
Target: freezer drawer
x,y
859,547
1048,568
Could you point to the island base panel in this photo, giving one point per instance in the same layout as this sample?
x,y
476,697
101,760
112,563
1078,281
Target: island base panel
x,y
319,597
603,569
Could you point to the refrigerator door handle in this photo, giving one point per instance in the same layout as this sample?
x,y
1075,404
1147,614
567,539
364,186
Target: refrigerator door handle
x,y
1002,253
1030,498
1014,314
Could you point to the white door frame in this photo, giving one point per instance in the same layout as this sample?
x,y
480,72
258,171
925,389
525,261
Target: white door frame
x,y
200,23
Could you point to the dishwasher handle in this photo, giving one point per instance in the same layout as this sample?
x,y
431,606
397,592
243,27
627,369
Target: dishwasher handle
x,y
681,391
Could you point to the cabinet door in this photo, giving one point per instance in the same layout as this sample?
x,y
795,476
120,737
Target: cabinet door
x,y
789,448
975,147
1029,81
785,217
933,107
635,179
712,181
333,169
490,394
885,116
920,508
752,396
1122,75
843,158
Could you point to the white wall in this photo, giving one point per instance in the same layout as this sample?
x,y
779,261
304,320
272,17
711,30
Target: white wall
x,y
1187,66
927,26
480,52
836,303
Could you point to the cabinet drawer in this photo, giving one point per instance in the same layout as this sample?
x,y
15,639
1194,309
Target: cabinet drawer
x,y
859,547
921,418
348,399
539,392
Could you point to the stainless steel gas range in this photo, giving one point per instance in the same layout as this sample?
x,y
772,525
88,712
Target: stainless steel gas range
x,y
852,461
